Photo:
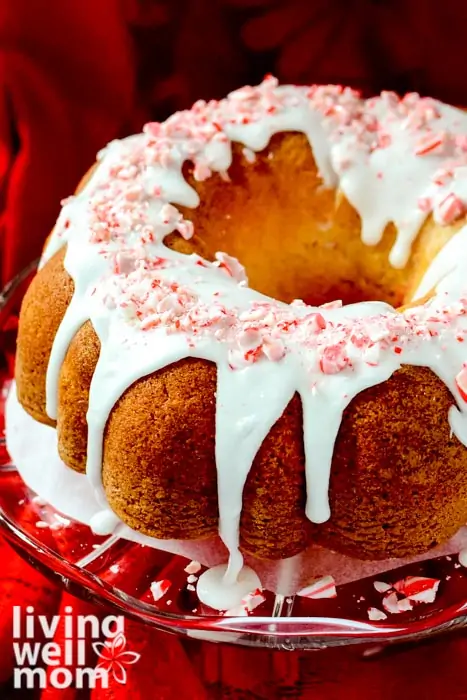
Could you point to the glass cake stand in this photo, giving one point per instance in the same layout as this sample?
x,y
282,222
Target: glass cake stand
x,y
117,573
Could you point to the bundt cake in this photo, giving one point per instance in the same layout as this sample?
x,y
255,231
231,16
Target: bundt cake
x,y
267,412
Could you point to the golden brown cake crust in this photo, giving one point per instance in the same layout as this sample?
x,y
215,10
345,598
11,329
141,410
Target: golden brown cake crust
x,y
42,311
399,477
398,483
73,396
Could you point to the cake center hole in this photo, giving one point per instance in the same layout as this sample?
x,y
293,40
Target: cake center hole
x,y
296,238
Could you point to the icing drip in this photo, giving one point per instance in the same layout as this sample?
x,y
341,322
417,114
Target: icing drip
x,y
104,522
445,265
216,590
395,160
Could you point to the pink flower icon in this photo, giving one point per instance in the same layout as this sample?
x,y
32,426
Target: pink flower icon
x,y
115,657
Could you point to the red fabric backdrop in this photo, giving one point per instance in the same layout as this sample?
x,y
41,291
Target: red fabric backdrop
x,y
66,87
76,73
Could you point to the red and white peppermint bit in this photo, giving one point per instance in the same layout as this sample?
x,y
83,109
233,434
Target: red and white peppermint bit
x,y
450,209
415,589
405,605
193,567
324,587
371,355
237,611
418,588
249,603
249,339
382,586
273,348
375,615
390,603
430,143
462,556
333,359
426,596
253,599
232,266
160,588
461,383
425,204
316,323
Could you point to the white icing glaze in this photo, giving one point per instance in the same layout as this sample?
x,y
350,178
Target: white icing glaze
x,y
214,590
114,230
104,522
445,265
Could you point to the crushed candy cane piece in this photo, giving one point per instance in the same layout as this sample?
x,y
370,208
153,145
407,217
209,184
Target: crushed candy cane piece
x,y
374,614
193,567
450,209
253,599
382,586
404,605
414,589
427,596
324,587
160,588
231,266
418,588
430,143
237,611
390,603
